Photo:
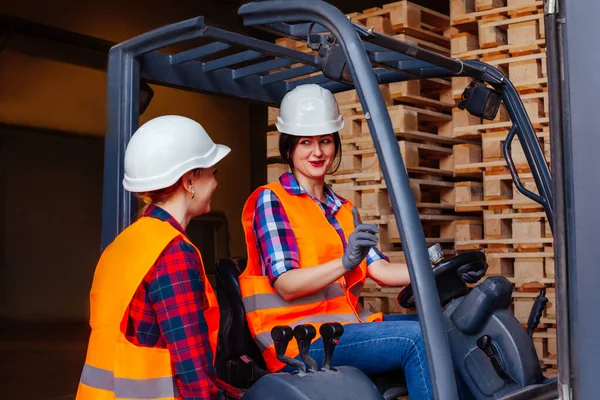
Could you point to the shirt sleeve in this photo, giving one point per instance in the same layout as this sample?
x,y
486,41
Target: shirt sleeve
x,y
275,237
375,254
179,300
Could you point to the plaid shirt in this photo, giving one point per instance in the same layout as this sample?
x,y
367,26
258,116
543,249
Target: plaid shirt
x,y
167,312
275,235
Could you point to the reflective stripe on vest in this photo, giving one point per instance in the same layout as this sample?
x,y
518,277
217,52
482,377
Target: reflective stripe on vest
x,y
318,242
365,315
273,300
125,388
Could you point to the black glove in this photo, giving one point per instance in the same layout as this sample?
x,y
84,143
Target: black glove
x,y
471,274
360,242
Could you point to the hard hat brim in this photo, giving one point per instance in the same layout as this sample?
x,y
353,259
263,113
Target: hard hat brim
x,y
168,178
310,130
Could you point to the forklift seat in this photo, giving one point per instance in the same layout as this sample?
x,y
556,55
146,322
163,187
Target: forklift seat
x,y
239,361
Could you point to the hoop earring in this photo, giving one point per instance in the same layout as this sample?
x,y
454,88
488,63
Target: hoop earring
x,y
193,193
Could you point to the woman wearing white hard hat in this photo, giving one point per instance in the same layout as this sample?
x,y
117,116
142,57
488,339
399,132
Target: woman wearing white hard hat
x,y
154,314
309,254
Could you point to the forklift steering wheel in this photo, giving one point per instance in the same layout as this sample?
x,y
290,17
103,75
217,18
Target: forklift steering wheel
x,y
448,280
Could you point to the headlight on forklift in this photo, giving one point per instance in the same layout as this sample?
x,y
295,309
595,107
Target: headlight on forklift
x,y
481,100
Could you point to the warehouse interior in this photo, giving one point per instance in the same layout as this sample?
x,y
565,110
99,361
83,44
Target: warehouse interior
x,y
52,125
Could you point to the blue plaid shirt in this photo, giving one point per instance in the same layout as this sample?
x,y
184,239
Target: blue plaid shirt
x,y
274,233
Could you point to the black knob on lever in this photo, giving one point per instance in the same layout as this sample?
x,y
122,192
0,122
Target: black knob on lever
x,y
330,332
536,312
304,335
485,344
282,335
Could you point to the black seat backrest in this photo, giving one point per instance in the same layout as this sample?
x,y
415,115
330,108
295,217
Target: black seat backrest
x,y
495,293
235,339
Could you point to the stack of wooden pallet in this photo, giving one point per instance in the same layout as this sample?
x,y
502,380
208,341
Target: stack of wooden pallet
x,y
513,230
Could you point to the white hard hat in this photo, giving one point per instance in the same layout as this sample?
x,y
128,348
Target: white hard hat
x,y
309,110
163,149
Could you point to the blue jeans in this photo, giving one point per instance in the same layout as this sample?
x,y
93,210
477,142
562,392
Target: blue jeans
x,y
374,348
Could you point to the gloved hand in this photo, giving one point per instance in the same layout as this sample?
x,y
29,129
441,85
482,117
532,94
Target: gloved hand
x,y
469,274
360,242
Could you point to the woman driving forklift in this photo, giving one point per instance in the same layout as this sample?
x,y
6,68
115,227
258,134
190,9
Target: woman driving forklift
x,y
309,255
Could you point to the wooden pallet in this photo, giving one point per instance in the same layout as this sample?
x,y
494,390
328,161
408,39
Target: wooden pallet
x,y
373,201
492,145
403,20
464,15
496,192
275,170
524,230
273,113
419,158
408,18
409,122
376,298
527,72
273,144
468,127
489,156
523,38
502,261
435,93
438,228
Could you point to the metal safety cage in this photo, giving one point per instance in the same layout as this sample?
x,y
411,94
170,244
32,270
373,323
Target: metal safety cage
x,y
242,67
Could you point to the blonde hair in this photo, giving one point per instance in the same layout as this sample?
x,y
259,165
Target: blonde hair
x,y
161,195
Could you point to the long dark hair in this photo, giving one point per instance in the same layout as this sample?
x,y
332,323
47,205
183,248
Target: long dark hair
x,y
287,145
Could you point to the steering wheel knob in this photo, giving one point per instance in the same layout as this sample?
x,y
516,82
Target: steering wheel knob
x,y
436,254
449,275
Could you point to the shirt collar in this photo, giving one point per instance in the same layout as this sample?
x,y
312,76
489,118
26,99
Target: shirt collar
x,y
292,186
157,212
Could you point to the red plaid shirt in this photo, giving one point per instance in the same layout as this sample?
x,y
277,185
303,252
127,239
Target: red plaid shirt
x,y
167,312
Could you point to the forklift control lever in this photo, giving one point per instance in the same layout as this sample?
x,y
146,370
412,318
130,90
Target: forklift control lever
x,y
485,343
281,336
304,335
330,332
536,312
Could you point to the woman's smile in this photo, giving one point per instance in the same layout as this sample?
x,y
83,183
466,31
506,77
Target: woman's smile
x,y
317,163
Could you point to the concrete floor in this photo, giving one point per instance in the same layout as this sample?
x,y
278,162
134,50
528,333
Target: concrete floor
x,y
41,362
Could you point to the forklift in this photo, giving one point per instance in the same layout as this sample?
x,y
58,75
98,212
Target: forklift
x,y
474,345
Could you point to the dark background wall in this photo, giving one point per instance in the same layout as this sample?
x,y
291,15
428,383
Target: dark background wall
x,y
52,186
52,124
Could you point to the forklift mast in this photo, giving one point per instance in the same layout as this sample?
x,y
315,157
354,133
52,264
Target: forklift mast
x,y
573,46
353,57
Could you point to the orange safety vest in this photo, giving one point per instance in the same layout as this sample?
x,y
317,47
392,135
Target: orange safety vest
x,y
116,368
318,243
